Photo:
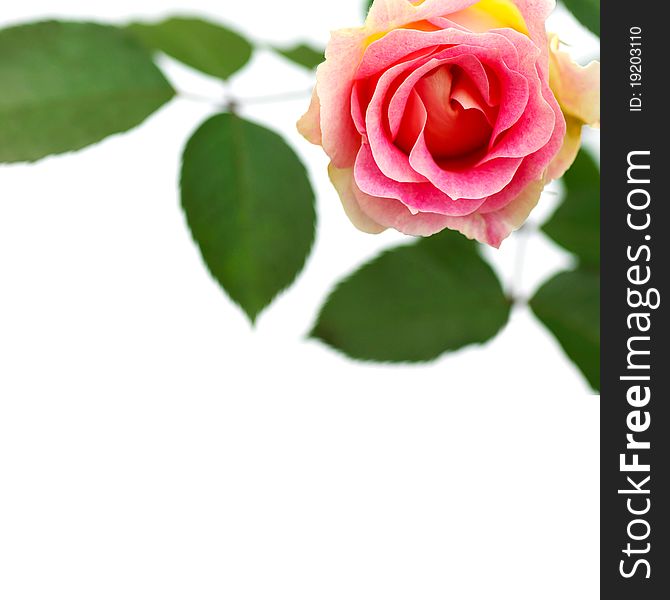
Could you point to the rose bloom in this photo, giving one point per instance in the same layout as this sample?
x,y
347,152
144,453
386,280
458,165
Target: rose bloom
x,y
449,114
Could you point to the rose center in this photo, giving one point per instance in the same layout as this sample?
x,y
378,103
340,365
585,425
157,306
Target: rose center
x,y
450,112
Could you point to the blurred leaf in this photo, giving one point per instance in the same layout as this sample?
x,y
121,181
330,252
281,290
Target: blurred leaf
x,y
250,207
64,86
587,12
366,7
569,305
303,55
205,46
576,223
413,303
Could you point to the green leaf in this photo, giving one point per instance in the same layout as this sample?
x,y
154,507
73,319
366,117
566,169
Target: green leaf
x,y
413,303
366,7
569,305
64,86
576,223
587,12
205,46
250,207
303,55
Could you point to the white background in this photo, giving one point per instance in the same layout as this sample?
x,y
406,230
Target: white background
x,y
154,446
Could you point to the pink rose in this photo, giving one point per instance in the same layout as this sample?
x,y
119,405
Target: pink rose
x,y
443,114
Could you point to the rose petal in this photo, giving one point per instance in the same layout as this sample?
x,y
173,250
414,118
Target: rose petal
x,y
469,96
491,228
393,213
534,127
392,161
416,196
478,181
571,144
389,14
309,125
494,227
343,181
534,167
413,120
577,88
400,43
535,13
490,14
334,83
